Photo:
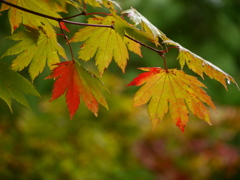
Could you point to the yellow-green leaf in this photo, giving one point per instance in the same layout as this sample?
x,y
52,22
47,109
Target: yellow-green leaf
x,y
17,16
199,65
34,49
106,3
104,43
174,91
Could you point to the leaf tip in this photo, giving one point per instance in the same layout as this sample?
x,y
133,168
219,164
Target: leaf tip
x,y
181,125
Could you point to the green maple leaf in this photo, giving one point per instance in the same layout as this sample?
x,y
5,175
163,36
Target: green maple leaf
x,y
14,86
34,49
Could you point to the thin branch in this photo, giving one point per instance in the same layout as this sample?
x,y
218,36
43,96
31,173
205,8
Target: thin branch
x,y
80,14
160,52
53,18
30,11
88,14
149,47
86,24
66,38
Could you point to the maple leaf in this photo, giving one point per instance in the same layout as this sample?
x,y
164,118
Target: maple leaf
x,y
76,4
123,28
200,65
106,3
174,91
14,86
35,48
17,16
138,18
77,82
104,43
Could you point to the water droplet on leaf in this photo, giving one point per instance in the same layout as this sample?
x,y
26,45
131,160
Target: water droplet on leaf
x,y
228,81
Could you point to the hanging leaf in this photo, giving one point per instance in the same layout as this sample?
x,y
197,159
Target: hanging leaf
x,y
77,82
34,49
123,28
174,91
138,18
17,17
14,86
76,4
106,3
104,43
200,65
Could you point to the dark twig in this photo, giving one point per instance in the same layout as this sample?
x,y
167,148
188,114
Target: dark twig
x,y
66,38
80,14
160,52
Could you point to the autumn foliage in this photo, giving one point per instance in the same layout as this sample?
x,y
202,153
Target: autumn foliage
x,y
105,38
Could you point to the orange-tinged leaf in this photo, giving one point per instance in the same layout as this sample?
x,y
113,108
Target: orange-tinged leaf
x,y
174,91
77,82
34,49
200,65
16,16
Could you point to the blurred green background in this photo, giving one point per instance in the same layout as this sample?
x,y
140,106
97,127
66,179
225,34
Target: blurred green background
x,y
43,144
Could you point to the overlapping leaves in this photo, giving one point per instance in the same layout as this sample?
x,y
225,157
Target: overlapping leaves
x,y
105,43
146,25
17,17
173,91
104,38
200,65
35,49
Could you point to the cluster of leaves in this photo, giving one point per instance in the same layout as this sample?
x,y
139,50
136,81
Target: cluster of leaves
x,y
106,37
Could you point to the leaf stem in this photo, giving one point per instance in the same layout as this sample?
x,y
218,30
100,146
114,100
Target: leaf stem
x,y
66,38
53,18
80,14
164,61
160,52
149,47
30,11
86,24
87,14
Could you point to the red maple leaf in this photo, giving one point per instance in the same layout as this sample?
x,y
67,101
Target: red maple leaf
x,y
77,82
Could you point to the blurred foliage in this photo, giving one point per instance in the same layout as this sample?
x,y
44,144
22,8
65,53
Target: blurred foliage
x,y
43,143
